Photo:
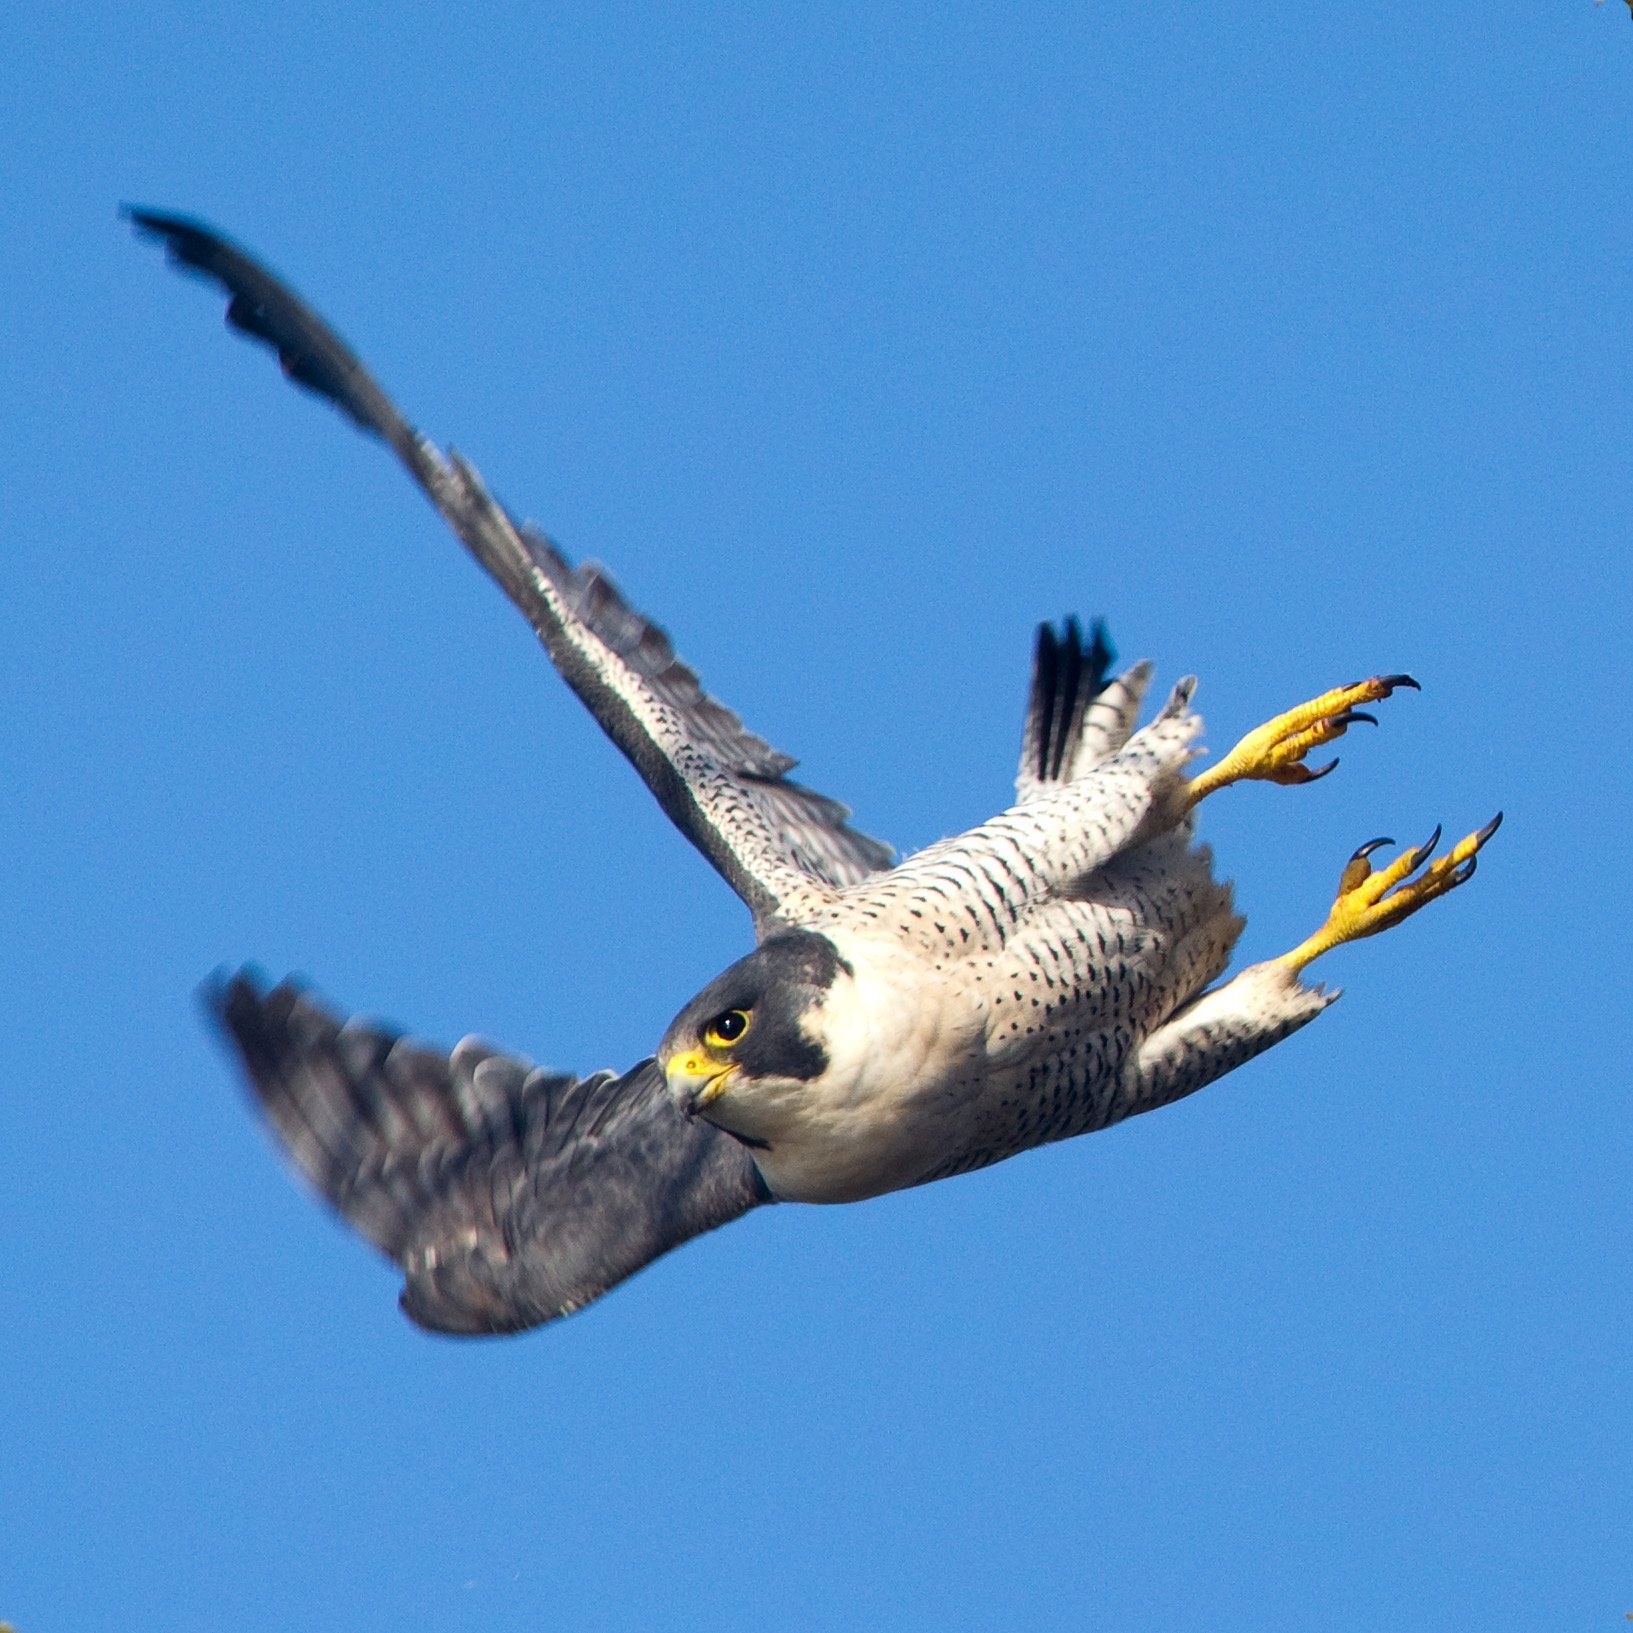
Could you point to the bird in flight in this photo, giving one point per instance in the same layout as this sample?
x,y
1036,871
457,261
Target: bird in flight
x,y
1046,974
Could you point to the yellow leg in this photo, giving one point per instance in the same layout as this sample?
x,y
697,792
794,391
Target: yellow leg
x,y
1369,902
1275,752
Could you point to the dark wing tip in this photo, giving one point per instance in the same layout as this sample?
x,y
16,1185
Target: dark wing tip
x,y
331,1095
254,1015
189,240
237,1001
266,309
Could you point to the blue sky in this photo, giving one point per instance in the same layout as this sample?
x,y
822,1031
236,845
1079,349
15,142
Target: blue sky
x,y
1293,339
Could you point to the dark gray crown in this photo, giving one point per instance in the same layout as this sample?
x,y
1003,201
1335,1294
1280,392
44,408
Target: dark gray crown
x,y
778,983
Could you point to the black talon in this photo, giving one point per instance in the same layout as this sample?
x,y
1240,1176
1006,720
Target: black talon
x,y
1486,832
1463,874
1400,680
1369,847
1316,776
1350,716
1425,851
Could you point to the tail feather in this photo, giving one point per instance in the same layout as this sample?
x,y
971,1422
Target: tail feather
x,y
1077,714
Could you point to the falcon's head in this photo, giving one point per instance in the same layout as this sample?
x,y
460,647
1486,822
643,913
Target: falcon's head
x,y
757,1026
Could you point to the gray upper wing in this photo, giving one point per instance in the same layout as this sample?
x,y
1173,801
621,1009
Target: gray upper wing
x,y
727,790
1076,715
509,1195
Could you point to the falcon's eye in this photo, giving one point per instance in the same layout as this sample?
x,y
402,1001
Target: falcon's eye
x,y
726,1029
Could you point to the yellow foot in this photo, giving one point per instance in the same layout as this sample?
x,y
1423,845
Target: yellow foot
x,y
1369,902
1275,752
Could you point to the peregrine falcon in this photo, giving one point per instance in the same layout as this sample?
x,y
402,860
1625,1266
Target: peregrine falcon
x,y
1046,974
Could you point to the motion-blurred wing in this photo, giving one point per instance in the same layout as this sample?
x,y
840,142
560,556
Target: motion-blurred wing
x,y
727,790
509,1195
1076,717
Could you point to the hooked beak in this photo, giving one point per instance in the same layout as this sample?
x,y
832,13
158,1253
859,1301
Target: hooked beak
x,y
695,1080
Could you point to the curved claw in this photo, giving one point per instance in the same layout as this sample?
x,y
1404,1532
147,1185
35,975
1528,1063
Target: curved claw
x,y
1320,771
1424,851
1350,716
1486,832
1364,851
1388,683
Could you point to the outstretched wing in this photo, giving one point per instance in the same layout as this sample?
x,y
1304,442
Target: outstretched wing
x,y
1076,716
728,791
509,1195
